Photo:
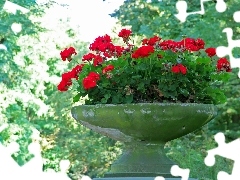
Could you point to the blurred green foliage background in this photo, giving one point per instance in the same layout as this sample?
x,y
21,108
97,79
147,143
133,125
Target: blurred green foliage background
x,y
31,68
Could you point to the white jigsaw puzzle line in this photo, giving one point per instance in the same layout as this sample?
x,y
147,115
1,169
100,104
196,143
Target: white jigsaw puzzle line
x,y
222,51
12,8
16,27
181,6
177,171
227,150
9,168
236,16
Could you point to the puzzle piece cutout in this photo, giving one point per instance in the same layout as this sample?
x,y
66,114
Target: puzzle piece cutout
x,y
16,27
221,50
236,16
12,8
9,168
224,51
227,150
181,6
177,171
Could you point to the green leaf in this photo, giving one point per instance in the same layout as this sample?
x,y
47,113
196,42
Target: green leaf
x,y
225,76
141,87
184,92
117,99
128,99
103,100
206,60
76,98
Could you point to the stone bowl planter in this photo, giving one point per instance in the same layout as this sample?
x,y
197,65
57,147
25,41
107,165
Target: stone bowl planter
x,y
144,128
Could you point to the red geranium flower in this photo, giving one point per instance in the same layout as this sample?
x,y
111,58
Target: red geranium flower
x,y
210,52
143,51
67,53
200,43
63,85
101,43
89,82
125,33
152,41
182,68
107,55
167,44
94,75
66,81
223,64
179,68
117,51
192,44
97,60
175,69
76,70
67,77
88,57
107,69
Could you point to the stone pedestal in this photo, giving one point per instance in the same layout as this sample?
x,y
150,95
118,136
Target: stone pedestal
x,y
141,160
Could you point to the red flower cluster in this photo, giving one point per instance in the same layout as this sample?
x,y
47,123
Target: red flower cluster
x,y
171,45
104,44
179,69
185,44
91,80
151,41
88,57
223,65
143,51
68,76
210,52
67,53
97,59
107,69
125,34
104,48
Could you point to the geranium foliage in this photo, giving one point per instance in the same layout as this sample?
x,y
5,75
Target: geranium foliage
x,y
159,70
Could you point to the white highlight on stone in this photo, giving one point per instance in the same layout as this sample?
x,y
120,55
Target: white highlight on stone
x,y
227,150
181,6
16,28
224,51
